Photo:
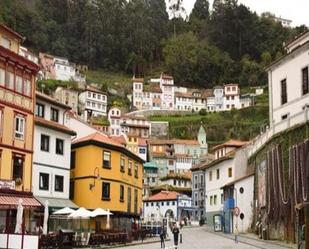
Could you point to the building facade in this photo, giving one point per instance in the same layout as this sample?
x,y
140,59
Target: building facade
x,y
17,95
93,103
67,97
112,179
52,152
288,82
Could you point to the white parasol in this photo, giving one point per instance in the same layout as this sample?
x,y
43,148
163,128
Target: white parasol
x,y
19,217
45,218
63,211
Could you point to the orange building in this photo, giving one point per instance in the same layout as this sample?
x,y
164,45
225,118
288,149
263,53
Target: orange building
x,y
17,99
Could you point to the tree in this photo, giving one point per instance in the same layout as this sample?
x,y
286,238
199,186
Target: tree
x,y
200,10
177,10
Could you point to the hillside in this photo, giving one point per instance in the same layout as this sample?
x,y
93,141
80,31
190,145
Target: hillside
x,y
242,124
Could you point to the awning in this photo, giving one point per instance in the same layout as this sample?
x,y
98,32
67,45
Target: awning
x,y
56,203
11,200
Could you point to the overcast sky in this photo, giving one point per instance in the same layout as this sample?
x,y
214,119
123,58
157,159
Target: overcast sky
x,y
295,10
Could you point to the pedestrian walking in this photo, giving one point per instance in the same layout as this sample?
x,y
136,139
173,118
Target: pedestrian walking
x,y
175,232
162,235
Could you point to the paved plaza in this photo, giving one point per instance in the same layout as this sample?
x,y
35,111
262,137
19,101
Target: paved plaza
x,y
198,238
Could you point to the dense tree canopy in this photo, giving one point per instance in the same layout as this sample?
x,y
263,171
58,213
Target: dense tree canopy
x,y
230,43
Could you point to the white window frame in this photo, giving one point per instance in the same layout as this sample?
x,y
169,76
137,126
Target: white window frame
x,y
20,130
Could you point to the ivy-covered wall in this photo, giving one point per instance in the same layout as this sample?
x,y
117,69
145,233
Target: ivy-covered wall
x,y
286,139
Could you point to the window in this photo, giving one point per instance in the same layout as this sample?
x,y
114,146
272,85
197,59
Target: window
x,y
5,42
211,200
122,163
230,172
2,77
222,198
162,203
121,193
44,181
72,188
19,127
19,84
218,173
284,96
39,110
9,80
27,87
58,183
210,175
105,191
73,159
59,146
215,199
305,80
106,159
135,201
18,166
54,114
142,150
44,143
167,203
130,167
136,170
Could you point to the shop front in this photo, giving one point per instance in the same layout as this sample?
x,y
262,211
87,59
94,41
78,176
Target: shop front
x,y
19,227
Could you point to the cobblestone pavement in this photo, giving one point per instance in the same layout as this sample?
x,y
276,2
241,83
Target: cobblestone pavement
x,y
199,238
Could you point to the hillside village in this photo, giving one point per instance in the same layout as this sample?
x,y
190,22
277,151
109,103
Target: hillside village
x,y
69,149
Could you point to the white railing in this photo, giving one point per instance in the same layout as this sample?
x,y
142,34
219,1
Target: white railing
x,y
259,141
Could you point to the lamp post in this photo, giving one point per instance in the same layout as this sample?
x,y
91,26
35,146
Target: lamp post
x,y
95,176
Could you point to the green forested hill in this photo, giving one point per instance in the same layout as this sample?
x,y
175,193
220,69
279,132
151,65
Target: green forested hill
x,y
228,44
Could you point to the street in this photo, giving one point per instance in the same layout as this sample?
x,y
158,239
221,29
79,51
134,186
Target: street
x,y
197,238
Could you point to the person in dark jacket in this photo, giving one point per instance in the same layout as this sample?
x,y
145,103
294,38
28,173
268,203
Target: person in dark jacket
x,y
162,235
175,232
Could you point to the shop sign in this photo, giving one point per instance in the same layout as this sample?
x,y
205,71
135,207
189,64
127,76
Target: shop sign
x,y
7,184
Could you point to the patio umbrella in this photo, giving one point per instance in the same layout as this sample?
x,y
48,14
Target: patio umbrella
x,y
81,213
100,212
65,210
19,217
45,218
108,220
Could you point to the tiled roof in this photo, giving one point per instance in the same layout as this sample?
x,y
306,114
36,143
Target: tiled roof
x,y
93,89
6,28
138,80
127,116
120,139
99,137
53,125
142,142
50,100
164,76
163,196
231,143
174,141
184,176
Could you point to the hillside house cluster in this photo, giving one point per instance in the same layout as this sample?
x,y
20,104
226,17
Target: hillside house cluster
x,y
162,94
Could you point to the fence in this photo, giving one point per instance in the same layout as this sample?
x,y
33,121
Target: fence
x,y
259,141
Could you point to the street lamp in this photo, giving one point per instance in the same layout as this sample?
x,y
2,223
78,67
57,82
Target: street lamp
x,y
95,176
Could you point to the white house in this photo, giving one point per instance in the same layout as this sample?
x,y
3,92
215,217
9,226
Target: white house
x,y
93,103
179,180
229,164
52,151
168,94
218,93
24,52
64,70
239,194
114,118
137,97
288,82
231,97
168,204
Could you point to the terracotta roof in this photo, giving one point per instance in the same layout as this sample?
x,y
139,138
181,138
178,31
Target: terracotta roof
x,y
120,139
238,180
231,143
93,89
51,100
6,28
142,142
164,76
127,116
53,125
185,176
228,156
174,141
138,79
231,84
99,137
296,38
163,195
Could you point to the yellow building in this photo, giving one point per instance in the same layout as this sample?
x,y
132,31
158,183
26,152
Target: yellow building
x,y
17,94
104,174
